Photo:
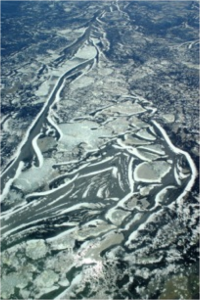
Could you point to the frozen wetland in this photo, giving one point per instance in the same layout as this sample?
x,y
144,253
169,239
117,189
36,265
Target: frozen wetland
x,y
97,196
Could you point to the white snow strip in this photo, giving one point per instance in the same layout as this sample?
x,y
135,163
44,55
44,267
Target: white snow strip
x,y
62,196
153,109
134,219
131,150
154,150
6,215
145,135
96,172
193,43
178,151
55,126
49,129
101,54
120,182
3,118
100,191
130,174
176,176
10,181
21,226
66,163
74,207
102,161
160,195
114,172
87,190
37,150
53,190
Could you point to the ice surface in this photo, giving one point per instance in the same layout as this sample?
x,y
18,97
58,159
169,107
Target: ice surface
x,y
96,198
